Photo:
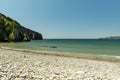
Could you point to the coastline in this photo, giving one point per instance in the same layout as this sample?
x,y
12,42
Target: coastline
x,y
109,58
20,64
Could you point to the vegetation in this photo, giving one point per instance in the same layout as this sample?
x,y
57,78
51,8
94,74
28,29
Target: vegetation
x,y
11,30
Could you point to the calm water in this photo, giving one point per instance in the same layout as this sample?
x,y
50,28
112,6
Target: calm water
x,y
86,46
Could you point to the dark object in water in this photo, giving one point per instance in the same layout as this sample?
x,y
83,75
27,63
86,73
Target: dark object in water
x,y
50,46
53,46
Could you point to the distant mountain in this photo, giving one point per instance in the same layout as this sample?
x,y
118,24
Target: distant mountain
x,y
12,31
113,37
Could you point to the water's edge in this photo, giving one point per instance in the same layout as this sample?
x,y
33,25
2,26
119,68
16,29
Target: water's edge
x,y
79,56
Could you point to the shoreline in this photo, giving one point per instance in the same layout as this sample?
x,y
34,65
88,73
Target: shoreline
x,y
108,58
16,64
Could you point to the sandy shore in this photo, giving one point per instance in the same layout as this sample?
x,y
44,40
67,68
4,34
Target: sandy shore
x,y
25,65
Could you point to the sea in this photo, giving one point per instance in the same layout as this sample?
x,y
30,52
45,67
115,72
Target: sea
x,y
74,46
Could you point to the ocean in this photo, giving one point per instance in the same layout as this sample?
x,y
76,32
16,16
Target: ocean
x,y
74,46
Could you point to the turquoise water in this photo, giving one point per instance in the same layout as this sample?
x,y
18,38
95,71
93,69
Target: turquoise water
x,y
84,46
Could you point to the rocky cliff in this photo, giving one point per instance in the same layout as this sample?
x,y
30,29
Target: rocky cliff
x,y
12,31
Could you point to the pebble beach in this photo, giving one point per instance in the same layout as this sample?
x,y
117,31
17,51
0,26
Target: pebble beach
x,y
21,65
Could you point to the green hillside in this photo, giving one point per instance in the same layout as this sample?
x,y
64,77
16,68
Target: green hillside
x,y
12,31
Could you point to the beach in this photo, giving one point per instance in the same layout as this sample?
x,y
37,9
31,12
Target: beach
x,y
26,65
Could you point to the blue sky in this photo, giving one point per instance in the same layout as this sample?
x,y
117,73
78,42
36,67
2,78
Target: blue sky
x,y
66,18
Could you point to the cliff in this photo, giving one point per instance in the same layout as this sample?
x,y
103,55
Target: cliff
x,y
12,31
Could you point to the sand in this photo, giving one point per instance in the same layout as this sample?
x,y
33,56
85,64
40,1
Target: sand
x,y
26,65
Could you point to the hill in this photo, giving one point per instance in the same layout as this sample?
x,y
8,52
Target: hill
x,y
12,31
113,37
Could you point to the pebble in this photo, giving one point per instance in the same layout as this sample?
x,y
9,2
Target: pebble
x,y
19,79
79,72
16,65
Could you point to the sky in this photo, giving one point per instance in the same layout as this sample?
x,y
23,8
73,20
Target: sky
x,y
66,18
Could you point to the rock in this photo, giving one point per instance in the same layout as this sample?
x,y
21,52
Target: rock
x,y
79,72
19,79
25,75
57,72
69,78
38,77
4,78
